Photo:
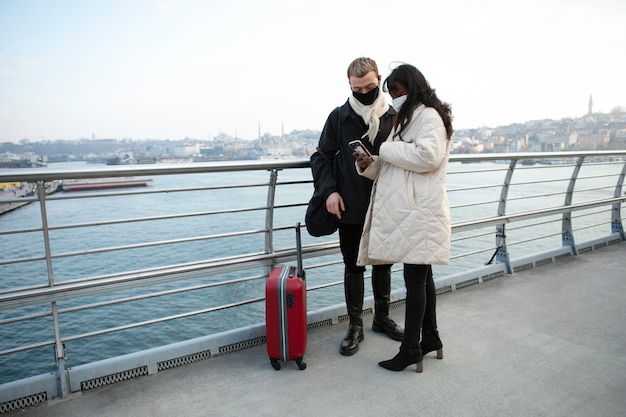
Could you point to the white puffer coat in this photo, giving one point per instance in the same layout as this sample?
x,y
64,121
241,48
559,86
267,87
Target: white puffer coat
x,y
408,219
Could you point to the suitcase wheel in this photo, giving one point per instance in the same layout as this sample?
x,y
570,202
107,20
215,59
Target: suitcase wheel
x,y
275,364
301,364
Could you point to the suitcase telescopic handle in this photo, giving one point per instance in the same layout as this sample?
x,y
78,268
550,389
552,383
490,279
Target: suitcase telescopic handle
x,y
300,271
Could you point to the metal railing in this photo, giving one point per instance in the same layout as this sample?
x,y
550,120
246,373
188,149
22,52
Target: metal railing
x,y
193,251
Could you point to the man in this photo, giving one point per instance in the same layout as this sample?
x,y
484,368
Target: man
x,y
365,116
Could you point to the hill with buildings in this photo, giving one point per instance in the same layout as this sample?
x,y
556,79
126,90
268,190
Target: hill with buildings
x,y
594,131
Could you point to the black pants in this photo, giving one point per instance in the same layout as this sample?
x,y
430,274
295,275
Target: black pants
x,y
349,240
415,279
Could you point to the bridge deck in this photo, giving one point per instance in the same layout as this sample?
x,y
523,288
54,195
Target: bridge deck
x,y
550,341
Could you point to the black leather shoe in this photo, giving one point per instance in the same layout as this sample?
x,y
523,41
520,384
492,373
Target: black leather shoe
x,y
350,343
389,327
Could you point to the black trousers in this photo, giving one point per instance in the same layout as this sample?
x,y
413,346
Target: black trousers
x,y
418,310
349,240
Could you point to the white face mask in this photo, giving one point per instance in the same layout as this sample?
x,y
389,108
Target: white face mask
x,y
397,102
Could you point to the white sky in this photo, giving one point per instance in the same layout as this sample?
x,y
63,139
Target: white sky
x,y
185,68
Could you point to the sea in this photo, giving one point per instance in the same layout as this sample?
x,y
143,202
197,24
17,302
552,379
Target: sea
x,y
470,250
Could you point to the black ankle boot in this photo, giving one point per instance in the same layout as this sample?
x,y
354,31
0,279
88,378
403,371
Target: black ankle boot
x,y
350,343
431,344
386,325
404,359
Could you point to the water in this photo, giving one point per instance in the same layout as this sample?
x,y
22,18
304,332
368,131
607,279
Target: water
x,y
82,210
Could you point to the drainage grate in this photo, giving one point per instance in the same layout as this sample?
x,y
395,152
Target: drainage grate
x,y
543,262
397,304
523,267
183,360
495,275
24,402
444,289
320,324
113,378
466,283
244,344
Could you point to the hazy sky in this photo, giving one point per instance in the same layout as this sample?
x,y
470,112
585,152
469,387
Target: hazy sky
x,y
191,68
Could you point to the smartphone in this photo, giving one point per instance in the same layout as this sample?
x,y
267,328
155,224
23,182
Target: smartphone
x,y
358,146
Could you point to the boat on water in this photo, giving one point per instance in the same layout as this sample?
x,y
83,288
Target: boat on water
x,y
89,184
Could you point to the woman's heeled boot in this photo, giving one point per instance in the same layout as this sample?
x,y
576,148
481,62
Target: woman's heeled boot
x,y
404,359
432,344
354,289
410,351
430,336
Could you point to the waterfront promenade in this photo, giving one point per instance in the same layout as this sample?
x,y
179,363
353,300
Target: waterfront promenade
x,y
547,341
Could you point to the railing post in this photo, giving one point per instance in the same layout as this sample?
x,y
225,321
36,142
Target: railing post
x,y
567,231
269,216
59,348
616,213
502,255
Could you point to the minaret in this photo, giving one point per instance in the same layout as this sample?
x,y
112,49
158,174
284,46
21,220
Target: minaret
x,y
590,105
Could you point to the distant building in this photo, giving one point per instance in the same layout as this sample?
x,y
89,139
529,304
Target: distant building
x,y
186,150
591,142
553,141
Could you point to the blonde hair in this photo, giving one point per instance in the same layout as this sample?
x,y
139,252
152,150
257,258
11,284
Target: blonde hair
x,y
362,66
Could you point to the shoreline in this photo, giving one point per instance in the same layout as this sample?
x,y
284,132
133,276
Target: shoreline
x,y
21,193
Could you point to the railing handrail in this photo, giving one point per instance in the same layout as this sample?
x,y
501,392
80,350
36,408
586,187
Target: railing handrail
x,y
51,174
67,290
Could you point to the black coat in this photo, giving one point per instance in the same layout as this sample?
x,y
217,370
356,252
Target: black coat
x,y
353,188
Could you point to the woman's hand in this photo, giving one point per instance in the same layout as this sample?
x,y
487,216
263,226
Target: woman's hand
x,y
363,161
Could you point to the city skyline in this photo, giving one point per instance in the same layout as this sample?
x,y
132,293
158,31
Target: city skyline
x,y
143,69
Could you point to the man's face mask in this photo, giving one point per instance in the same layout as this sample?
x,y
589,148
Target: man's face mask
x,y
367,98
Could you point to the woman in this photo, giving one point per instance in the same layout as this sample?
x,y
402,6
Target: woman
x,y
408,219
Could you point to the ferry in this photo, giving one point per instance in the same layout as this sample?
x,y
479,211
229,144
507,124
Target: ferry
x,y
89,184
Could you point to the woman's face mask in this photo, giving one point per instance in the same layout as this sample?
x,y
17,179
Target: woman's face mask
x,y
367,98
397,102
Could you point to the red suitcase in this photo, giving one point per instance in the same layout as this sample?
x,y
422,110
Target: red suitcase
x,y
285,312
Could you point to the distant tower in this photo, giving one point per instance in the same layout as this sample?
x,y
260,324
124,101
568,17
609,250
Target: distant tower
x,y
259,130
590,105
93,136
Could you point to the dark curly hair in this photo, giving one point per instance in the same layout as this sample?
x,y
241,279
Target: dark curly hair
x,y
418,92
